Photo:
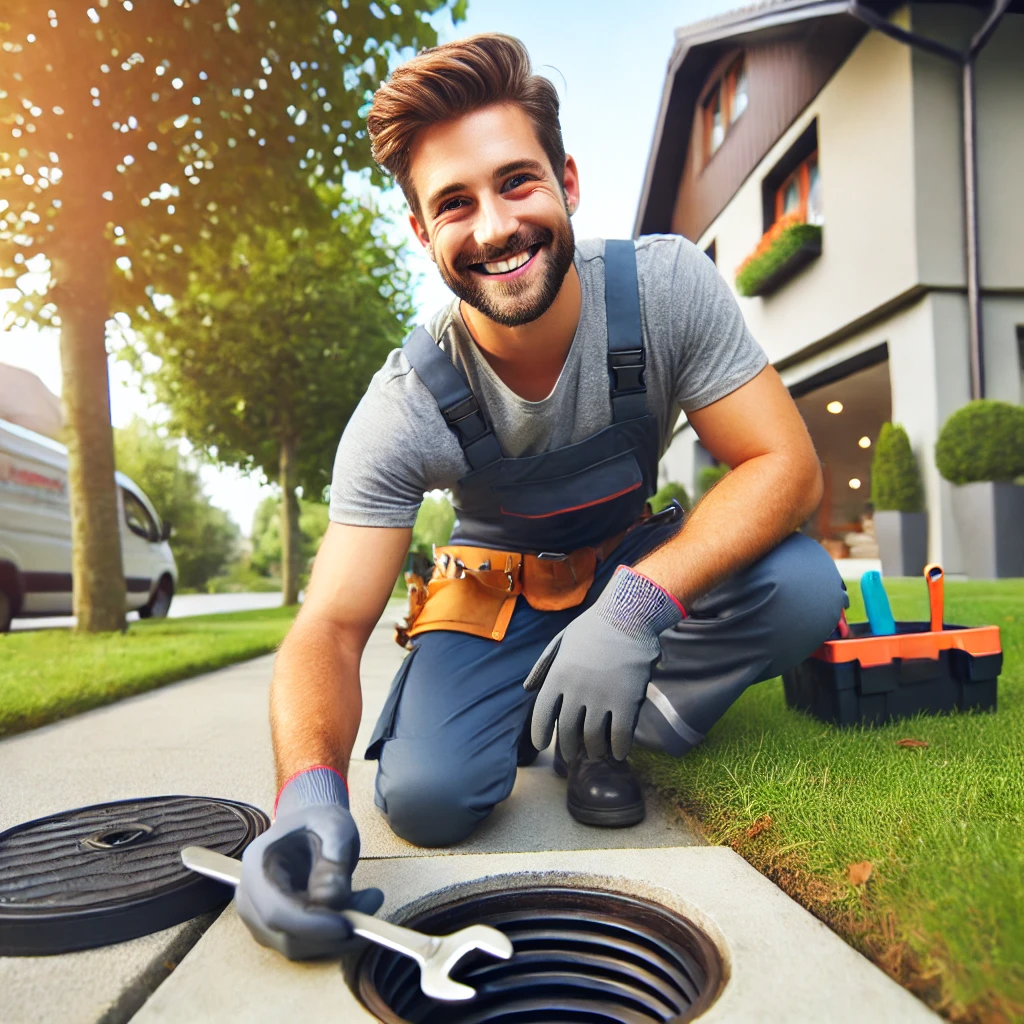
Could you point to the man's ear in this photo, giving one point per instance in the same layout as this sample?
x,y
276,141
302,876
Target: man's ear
x,y
420,232
571,185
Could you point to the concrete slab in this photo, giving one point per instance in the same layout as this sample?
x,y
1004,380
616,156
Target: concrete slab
x,y
784,966
533,818
105,985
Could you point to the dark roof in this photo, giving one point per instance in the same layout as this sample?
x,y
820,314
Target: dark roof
x,y
698,46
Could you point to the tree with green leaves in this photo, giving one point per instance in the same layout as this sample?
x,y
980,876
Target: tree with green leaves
x,y
267,351
266,534
433,527
132,130
204,538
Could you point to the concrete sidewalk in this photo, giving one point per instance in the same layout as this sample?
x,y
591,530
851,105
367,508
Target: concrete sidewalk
x,y
209,736
183,606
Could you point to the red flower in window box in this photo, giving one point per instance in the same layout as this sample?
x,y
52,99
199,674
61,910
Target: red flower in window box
x,y
786,247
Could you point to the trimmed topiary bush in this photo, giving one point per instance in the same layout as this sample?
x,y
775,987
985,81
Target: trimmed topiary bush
x,y
983,441
709,476
666,494
895,478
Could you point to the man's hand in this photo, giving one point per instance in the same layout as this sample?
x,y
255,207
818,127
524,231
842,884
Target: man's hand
x,y
298,874
599,666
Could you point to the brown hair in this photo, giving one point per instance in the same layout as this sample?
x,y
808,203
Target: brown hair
x,y
445,82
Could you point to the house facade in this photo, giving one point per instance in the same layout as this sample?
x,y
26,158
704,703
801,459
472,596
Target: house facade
x,y
803,118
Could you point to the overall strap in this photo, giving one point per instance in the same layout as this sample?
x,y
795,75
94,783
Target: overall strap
x,y
454,398
625,337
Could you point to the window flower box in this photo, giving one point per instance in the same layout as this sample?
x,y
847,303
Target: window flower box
x,y
785,249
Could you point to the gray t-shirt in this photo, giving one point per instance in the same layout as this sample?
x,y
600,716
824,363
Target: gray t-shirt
x,y
698,349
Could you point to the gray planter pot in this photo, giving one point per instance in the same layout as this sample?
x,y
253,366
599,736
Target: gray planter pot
x,y
989,521
902,542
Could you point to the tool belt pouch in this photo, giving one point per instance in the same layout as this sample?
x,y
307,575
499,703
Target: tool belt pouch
x,y
480,601
553,584
464,600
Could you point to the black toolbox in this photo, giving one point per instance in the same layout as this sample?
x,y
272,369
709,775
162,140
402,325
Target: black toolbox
x,y
868,680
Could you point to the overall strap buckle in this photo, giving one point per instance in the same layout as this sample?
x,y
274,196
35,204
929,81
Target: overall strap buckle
x,y
455,399
465,418
627,370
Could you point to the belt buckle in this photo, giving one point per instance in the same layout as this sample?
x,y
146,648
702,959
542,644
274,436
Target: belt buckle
x,y
558,556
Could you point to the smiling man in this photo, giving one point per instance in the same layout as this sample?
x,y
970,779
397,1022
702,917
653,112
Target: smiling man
x,y
543,397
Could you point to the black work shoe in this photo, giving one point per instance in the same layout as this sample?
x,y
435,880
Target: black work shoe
x,y
603,791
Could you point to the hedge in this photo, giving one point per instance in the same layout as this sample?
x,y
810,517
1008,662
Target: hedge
x,y
895,478
982,441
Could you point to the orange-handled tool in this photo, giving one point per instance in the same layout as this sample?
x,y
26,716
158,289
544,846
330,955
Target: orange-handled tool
x,y
934,576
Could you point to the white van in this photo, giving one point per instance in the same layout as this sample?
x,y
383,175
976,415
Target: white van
x,y
35,534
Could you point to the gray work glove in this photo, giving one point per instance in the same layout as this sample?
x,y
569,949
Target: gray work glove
x,y
297,875
598,668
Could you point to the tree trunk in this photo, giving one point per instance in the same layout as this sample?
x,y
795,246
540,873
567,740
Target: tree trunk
x,y
96,566
291,548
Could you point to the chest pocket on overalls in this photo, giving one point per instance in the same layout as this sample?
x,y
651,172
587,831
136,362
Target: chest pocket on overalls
x,y
573,492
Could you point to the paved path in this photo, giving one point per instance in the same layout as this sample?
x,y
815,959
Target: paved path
x,y
209,736
182,606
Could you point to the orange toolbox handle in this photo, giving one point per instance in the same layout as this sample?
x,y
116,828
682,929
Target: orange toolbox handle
x,y
879,650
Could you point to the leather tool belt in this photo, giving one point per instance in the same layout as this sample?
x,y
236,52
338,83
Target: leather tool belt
x,y
474,590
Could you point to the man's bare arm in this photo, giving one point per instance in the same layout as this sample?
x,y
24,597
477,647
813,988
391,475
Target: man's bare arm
x,y
315,697
775,484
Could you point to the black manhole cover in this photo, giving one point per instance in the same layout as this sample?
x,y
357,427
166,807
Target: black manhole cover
x,y
112,872
580,955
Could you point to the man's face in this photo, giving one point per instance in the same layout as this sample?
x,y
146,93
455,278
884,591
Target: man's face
x,y
494,215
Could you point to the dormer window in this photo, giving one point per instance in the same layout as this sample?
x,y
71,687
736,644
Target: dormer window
x,y
800,193
723,106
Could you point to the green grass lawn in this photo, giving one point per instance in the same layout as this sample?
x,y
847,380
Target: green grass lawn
x,y
942,826
50,674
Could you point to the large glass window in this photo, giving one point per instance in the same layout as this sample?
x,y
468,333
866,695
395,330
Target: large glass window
x,y
137,518
723,106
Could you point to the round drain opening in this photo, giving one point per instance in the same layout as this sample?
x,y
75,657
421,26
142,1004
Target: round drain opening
x,y
580,955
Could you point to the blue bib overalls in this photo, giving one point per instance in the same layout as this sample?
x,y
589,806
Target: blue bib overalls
x,y
447,739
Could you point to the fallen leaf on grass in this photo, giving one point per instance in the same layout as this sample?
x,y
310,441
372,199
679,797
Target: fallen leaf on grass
x,y
911,743
860,872
761,825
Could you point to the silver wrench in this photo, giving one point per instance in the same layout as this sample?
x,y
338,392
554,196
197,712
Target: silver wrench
x,y
437,955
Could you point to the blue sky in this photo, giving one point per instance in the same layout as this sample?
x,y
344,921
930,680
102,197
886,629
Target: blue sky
x,y
607,60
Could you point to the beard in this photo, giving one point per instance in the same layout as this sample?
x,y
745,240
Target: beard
x,y
519,301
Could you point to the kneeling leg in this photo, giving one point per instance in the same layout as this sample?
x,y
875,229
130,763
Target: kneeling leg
x,y
759,623
447,743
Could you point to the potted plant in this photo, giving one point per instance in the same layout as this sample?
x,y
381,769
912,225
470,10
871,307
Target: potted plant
x,y
709,476
901,524
666,494
981,452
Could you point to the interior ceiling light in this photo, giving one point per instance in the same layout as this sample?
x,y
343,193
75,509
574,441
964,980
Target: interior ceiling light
x,y
855,483
865,442
835,407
